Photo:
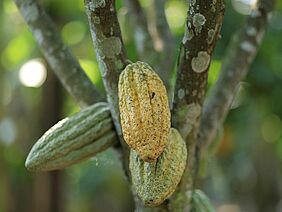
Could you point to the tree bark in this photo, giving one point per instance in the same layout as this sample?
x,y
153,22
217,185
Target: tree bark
x,y
240,54
111,56
201,33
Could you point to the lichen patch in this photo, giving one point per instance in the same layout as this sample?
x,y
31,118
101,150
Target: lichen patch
x,y
94,4
180,93
110,47
38,35
96,20
251,31
30,12
247,46
198,22
201,62
192,2
194,111
211,34
189,115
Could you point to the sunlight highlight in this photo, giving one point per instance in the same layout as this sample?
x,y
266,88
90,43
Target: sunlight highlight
x,y
33,73
244,7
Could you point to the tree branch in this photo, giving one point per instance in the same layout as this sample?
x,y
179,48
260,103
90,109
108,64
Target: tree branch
x,y
167,44
240,55
110,54
142,37
201,33
162,59
57,54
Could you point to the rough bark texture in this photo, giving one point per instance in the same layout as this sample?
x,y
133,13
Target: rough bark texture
x,y
109,48
240,55
57,54
201,33
110,54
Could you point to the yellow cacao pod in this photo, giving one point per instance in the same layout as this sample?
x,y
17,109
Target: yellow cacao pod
x,y
155,182
144,110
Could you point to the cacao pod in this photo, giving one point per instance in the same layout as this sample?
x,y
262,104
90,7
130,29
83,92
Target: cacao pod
x,y
73,139
155,182
201,202
144,110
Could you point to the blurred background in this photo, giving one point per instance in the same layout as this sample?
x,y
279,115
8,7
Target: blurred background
x,y
244,174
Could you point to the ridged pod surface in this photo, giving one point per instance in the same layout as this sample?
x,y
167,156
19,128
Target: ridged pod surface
x,y
201,202
144,110
73,139
155,182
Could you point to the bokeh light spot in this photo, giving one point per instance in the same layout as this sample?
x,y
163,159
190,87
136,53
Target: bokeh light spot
x,y
176,15
33,73
244,7
73,32
16,51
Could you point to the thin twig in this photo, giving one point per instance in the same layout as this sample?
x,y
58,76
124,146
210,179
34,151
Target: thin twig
x,y
167,44
110,54
142,37
201,33
240,55
161,59
57,54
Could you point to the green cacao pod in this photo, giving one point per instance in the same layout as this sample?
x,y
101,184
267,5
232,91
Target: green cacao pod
x,y
144,110
155,182
201,202
73,139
